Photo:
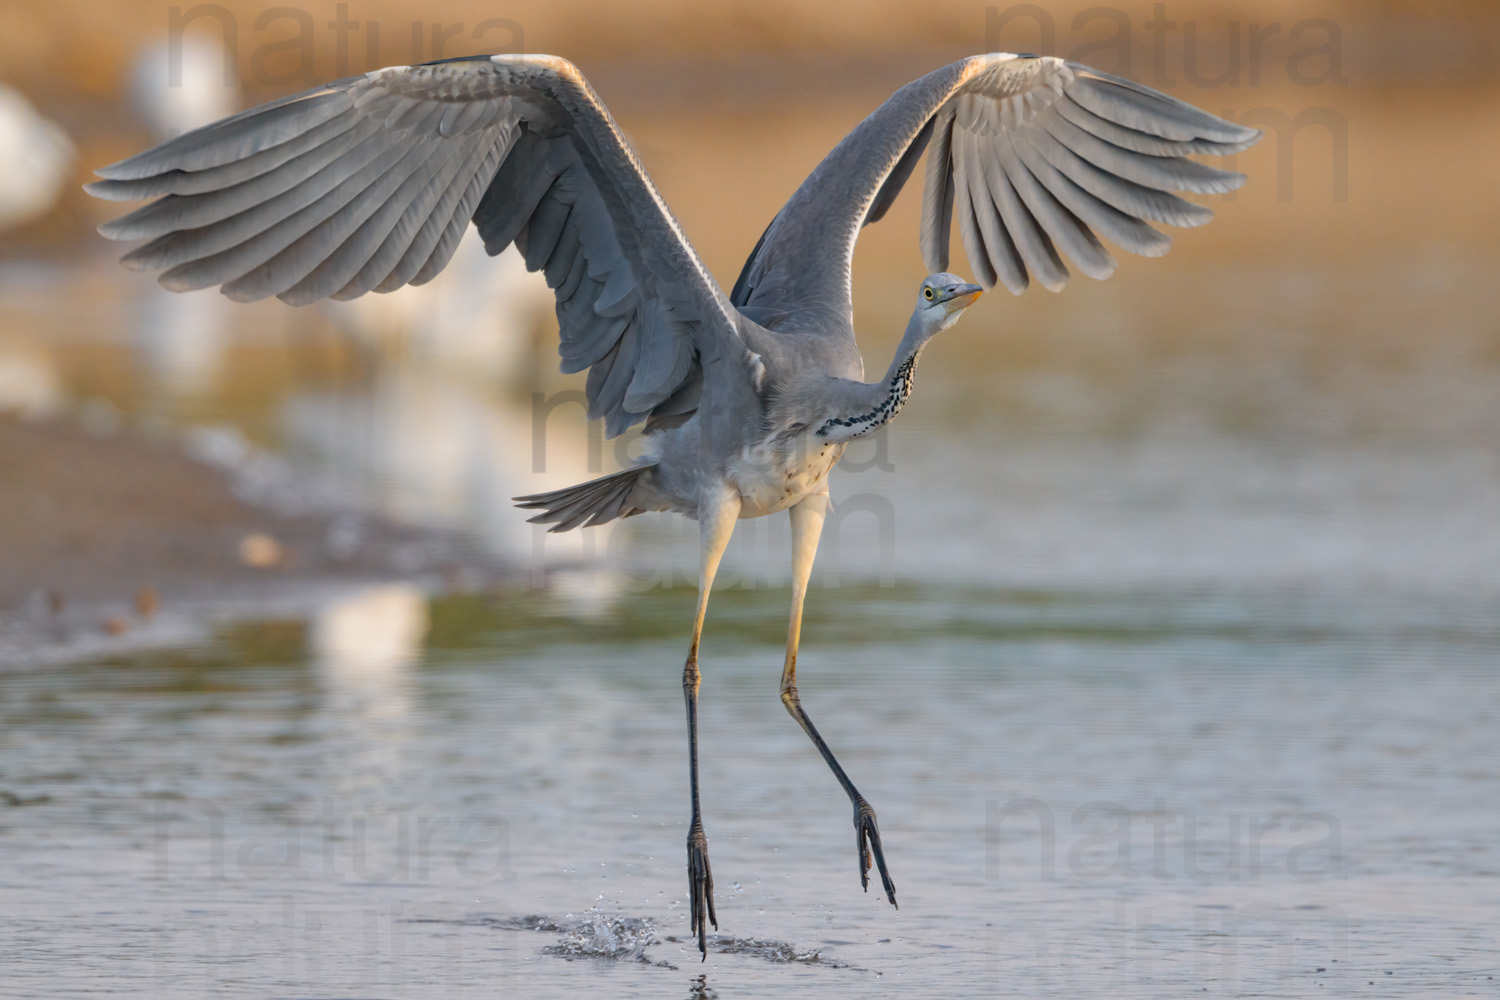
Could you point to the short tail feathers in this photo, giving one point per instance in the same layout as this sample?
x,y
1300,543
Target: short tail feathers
x,y
587,504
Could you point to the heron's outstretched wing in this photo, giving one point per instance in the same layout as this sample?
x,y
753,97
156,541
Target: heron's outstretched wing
x,y
1035,155
367,184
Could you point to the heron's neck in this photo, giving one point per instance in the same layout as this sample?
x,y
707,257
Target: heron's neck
x,y
878,403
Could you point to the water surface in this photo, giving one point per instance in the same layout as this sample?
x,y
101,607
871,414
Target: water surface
x,y
1122,791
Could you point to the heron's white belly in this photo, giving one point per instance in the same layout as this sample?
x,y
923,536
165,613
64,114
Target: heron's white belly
x,y
774,476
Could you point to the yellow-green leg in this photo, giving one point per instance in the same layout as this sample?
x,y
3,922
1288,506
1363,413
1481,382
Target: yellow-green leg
x,y
807,526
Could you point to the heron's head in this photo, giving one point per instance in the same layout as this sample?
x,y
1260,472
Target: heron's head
x,y
942,298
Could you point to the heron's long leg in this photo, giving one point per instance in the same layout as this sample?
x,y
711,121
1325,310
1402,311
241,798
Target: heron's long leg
x,y
716,517
807,526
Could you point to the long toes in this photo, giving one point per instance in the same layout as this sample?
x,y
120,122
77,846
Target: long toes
x,y
700,889
862,850
867,841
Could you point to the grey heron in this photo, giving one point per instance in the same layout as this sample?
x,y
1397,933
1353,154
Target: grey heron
x,y
748,398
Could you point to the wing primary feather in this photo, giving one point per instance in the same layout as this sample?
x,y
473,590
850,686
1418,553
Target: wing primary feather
x,y
463,211
185,246
1143,142
360,260
381,266
546,226
1163,173
1004,257
450,190
1125,231
659,367
1031,241
1066,232
610,400
520,183
177,212
560,263
585,346
619,292
237,137
194,182
964,156
576,273
937,195
260,234
343,210
1126,195
1146,110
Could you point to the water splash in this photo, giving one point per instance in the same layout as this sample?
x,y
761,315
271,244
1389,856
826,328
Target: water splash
x,y
771,951
596,935
599,935
593,935
778,952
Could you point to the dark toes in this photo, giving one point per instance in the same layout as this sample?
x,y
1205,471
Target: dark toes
x,y
700,888
867,841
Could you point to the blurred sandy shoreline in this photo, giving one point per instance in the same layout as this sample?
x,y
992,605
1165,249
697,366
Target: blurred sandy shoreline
x,y
116,540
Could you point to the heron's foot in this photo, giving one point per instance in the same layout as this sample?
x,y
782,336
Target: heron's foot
x,y
866,841
700,887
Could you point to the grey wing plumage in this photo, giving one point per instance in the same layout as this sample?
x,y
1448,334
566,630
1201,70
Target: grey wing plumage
x,y
368,183
1037,157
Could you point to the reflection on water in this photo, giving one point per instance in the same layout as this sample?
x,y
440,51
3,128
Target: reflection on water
x,y
366,642
364,646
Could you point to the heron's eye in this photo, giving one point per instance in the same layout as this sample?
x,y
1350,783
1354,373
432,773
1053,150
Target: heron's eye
x,y
927,294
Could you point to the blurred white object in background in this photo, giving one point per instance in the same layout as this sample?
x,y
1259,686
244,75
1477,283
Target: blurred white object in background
x,y
176,92
479,317
29,385
430,448
366,640
181,339
36,157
